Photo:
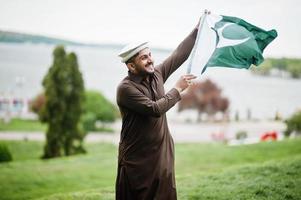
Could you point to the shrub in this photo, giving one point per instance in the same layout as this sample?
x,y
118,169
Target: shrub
x,y
97,108
100,106
5,155
88,121
293,124
241,135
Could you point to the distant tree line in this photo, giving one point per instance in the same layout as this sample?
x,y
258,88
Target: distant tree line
x,y
15,37
290,65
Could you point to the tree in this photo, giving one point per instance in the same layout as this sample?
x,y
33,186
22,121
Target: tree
x,y
206,98
64,95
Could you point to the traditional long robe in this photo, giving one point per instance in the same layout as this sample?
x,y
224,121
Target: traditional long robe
x,y
146,149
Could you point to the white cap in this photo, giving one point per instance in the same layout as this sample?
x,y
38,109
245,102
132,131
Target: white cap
x,y
131,49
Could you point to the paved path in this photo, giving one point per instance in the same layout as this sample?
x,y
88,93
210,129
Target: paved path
x,y
39,136
181,132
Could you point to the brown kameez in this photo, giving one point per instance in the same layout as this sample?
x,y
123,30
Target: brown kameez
x,y
146,149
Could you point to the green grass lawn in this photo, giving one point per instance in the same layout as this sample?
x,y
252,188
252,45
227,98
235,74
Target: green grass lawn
x,y
17,124
22,125
203,171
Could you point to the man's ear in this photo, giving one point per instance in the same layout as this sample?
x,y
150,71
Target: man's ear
x,y
131,67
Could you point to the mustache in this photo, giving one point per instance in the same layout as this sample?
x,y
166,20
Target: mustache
x,y
148,64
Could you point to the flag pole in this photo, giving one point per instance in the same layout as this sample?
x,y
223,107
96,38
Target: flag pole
x,y
197,40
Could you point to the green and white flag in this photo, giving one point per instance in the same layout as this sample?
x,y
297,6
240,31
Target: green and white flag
x,y
238,44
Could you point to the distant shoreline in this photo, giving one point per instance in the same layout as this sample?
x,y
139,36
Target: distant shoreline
x,y
10,37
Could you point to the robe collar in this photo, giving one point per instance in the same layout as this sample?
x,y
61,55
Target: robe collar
x,y
137,78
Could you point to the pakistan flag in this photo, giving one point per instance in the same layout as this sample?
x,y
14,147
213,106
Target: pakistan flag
x,y
238,43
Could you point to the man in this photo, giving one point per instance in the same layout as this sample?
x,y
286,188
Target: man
x,y
146,148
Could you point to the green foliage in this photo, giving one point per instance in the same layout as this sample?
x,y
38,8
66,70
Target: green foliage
x,y
5,155
240,135
291,65
97,108
293,124
264,68
88,121
279,63
103,109
64,96
295,70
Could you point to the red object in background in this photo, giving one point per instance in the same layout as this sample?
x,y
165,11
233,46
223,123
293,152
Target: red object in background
x,y
219,136
270,135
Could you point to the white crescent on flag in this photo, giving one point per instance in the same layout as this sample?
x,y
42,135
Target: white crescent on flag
x,y
224,42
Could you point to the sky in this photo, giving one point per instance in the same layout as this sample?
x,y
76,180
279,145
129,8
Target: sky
x,y
164,23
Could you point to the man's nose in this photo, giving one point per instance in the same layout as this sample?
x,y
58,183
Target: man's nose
x,y
149,60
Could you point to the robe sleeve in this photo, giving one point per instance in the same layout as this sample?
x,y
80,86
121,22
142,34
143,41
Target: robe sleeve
x,y
178,56
133,99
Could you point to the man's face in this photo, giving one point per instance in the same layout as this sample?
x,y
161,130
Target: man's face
x,y
143,64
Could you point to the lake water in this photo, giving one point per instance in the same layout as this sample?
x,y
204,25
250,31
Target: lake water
x,y
102,70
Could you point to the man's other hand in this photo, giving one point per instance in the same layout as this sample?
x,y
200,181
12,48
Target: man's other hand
x,y
184,82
